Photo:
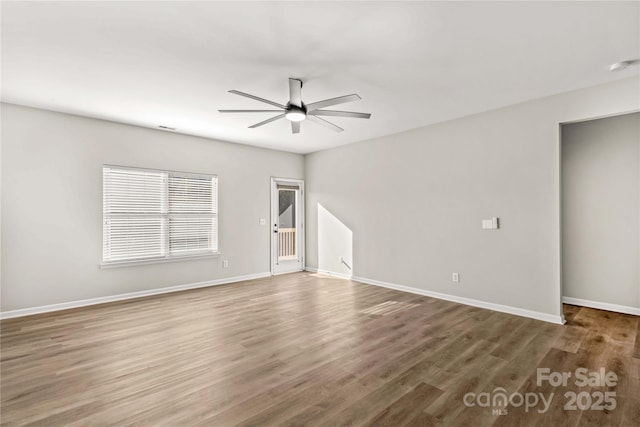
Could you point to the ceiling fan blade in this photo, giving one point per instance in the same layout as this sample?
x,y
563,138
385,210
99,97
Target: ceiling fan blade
x,y
266,101
323,122
295,127
272,119
332,101
295,92
334,113
249,111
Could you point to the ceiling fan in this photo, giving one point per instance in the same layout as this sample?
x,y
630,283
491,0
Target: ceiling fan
x,y
296,111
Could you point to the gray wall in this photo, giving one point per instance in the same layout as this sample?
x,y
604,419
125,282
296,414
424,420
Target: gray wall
x,y
404,208
52,205
601,210
407,208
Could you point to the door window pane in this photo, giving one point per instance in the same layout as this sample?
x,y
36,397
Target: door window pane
x,y
287,248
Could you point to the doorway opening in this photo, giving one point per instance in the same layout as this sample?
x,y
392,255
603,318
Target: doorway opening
x,y
287,222
600,213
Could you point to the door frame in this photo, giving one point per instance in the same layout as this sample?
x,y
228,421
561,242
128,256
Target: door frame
x,y
300,219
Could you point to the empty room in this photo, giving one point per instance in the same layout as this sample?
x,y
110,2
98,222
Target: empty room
x,y
300,213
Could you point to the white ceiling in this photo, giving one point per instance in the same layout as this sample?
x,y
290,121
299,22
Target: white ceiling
x,y
413,63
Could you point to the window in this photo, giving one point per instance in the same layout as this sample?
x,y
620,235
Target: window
x,y
157,215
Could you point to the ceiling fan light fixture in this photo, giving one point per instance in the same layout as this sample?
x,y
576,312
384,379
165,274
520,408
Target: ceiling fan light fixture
x,y
295,115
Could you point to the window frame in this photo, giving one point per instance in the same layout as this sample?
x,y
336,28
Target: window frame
x,y
167,215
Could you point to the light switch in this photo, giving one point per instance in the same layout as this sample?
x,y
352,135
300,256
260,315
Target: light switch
x,y
263,221
491,224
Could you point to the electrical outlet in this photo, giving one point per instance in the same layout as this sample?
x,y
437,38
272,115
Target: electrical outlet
x,y
263,221
225,263
455,277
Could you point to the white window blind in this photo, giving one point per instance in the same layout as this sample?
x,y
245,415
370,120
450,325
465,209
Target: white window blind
x,y
192,214
151,214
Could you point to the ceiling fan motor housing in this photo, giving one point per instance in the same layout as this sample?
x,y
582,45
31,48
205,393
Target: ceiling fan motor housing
x,y
295,113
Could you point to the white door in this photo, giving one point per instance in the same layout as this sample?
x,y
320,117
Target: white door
x,y
287,232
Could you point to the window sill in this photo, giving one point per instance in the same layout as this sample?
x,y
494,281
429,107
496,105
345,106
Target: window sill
x,y
132,263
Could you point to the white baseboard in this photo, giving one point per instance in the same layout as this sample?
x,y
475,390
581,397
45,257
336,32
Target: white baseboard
x,y
602,305
328,273
131,295
467,301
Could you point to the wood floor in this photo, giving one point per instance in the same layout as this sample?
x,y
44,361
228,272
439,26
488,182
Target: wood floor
x,y
305,350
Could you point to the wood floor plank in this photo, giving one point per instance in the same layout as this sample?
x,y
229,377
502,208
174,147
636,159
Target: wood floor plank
x,y
405,409
631,412
302,349
557,361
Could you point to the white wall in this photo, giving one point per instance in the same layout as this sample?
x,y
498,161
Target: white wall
x,y
414,201
601,210
52,205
